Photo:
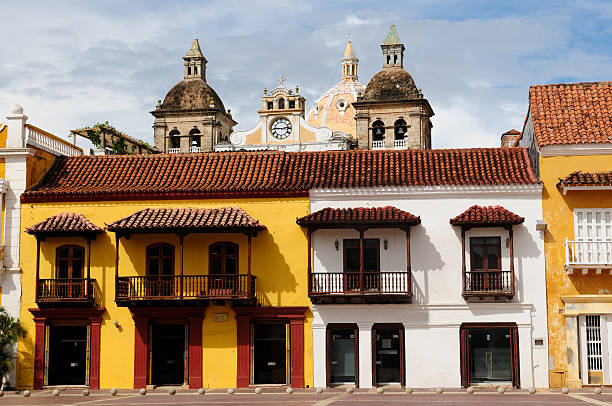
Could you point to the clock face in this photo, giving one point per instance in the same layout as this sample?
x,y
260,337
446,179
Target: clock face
x,y
281,128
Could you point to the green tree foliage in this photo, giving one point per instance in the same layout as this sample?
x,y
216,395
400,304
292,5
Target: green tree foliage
x,y
10,331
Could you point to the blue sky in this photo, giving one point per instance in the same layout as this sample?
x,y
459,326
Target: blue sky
x,y
74,63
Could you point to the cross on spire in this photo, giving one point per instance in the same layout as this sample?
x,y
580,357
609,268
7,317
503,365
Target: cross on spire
x,y
349,36
281,80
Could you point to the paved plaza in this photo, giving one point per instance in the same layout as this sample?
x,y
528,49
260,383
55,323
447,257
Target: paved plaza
x,y
336,397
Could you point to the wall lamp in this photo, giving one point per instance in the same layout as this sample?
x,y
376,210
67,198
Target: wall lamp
x,y
336,244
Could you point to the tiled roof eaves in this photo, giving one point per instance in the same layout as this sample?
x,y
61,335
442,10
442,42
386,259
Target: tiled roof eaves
x,y
274,174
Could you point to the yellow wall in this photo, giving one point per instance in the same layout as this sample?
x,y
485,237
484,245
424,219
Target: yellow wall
x,y
278,261
37,166
3,135
558,213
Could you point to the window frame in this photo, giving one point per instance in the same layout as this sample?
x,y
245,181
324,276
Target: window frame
x,y
345,249
71,248
223,257
160,258
485,254
594,211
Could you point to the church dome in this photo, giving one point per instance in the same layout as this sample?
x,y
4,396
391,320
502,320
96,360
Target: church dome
x,y
192,94
391,84
334,108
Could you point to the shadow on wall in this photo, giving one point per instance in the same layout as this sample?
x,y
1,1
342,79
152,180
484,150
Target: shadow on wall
x,y
524,247
273,273
425,259
103,257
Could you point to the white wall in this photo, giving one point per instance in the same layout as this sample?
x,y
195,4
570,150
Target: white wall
x,y
432,321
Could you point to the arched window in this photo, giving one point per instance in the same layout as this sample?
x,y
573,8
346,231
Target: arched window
x,y
378,130
189,70
194,135
400,127
281,103
160,259
175,140
223,258
69,261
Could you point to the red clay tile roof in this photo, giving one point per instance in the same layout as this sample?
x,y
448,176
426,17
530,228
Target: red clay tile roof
x,y
512,132
186,219
64,224
486,215
572,113
580,178
213,175
370,216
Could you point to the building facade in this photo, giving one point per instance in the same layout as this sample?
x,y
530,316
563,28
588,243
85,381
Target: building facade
x,y
192,117
392,114
568,133
431,283
26,153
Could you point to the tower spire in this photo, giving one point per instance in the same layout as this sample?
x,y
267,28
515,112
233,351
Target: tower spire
x,y
349,62
195,63
392,49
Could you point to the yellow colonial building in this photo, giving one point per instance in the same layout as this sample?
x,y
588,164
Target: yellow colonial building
x,y
156,270
569,135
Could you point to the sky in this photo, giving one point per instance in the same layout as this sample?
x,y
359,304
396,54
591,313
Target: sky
x,y
71,64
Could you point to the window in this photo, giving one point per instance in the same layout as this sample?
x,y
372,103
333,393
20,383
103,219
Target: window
x,y
371,255
189,70
160,259
223,258
593,224
291,104
175,141
195,137
270,105
281,103
69,261
485,253
195,70
400,127
378,129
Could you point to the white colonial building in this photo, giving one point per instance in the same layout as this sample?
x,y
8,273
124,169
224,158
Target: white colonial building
x,y
450,288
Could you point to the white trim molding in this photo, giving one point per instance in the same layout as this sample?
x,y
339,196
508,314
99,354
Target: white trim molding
x,y
576,149
566,188
415,192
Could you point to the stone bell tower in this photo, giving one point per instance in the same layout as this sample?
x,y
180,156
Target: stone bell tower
x,y
192,117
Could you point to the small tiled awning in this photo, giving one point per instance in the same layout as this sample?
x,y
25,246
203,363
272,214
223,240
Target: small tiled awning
x,y
586,181
65,224
372,217
484,216
187,220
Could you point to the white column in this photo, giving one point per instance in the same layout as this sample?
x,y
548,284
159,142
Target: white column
x,y
573,353
365,354
16,136
319,351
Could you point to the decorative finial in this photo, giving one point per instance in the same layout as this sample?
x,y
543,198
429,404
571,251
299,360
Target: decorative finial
x,y
212,103
265,91
281,80
297,89
229,112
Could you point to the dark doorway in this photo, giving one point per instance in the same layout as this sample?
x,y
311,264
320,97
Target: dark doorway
x,y
168,354
270,353
67,355
342,355
489,354
388,347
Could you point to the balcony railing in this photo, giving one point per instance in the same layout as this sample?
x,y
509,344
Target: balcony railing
x,y
174,150
378,144
195,149
587,255
335,285
48,142
488,283
186,287
401,144
65,290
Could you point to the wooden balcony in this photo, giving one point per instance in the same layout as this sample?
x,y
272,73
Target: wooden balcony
x,y
488,283
356,287
588,255
63,292
185,290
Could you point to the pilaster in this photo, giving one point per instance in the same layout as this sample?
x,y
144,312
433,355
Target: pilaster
x,y
573,358
365,354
